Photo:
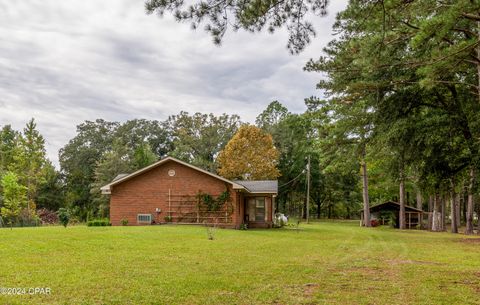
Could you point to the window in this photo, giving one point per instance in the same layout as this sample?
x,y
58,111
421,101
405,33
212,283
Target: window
x,y
144,218
256,209
260,209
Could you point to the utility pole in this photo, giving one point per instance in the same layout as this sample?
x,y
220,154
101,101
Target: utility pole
x,y
308,189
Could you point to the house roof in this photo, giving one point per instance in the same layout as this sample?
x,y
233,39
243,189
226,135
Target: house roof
x,y
392,205
259,186
119,176
124,177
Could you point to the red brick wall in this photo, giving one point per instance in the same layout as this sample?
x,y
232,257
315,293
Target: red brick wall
x,y
148,191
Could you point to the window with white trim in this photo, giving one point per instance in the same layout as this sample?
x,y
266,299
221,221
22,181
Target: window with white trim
x,y
144,218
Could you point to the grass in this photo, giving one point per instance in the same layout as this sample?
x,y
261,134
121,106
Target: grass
x,y
322,263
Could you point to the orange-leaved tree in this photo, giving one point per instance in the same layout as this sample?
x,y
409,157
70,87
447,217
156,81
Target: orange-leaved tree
x,y
249,155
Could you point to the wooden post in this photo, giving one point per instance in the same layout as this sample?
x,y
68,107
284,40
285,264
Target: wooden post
x,y
308,189
198,210
169,204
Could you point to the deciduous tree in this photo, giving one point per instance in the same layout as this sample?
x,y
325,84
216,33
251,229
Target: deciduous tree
x,y
14,197
249,155
199,138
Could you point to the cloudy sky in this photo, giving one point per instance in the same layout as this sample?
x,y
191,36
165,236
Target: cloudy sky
x,y
64,62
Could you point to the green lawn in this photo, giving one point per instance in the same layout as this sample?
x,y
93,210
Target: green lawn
x,y
323,263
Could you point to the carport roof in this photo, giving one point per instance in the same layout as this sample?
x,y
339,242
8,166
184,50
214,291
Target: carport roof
x,y
259,186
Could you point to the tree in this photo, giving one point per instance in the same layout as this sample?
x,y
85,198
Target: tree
x,y
51,193
8,143
143,156
199,138
78,160
272,116
249,155
344,135
114,162
138,132
29,161
250,15
14,197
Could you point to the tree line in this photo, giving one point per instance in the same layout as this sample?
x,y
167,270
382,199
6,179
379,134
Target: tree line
x,y
275,147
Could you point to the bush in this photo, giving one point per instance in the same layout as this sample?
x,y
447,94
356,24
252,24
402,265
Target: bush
x,y
47,217
389,218
99,223
63,216
244,226
124,222
211,231
168,218
374,223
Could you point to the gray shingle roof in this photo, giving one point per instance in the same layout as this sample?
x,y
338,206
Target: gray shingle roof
x,y
260,186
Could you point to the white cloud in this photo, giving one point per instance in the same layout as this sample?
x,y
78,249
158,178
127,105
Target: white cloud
x,y
64,62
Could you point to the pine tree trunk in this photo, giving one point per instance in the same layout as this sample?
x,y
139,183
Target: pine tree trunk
x,y
478,218
470,205
454,203
435,214
402,204
366,204
478,214
458,214
443,209
430,211
419,200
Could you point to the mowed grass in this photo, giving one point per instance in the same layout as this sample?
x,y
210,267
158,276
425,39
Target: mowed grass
x,y
322,263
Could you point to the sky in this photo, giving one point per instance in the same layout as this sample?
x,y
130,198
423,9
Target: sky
x,y
64,62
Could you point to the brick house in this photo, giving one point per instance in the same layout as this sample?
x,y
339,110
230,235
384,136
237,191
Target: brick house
x,y
168,191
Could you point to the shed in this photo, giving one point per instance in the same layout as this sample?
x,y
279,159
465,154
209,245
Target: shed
x,y
413,216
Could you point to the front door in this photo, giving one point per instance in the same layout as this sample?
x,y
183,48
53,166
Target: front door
x,y
256,209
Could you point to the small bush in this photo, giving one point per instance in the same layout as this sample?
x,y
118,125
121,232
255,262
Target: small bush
x,y
124,222
168,218
211,230
47,217
244,226
99,223
63,216
374,223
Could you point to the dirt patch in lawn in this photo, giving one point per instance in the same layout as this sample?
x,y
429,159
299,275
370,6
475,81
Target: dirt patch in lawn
x,y
408,261
302,293
470,240
309,289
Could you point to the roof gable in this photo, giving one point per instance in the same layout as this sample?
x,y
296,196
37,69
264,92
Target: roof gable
x,y
122,178
394,205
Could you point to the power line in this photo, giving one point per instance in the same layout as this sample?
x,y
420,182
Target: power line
x,y
303,172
